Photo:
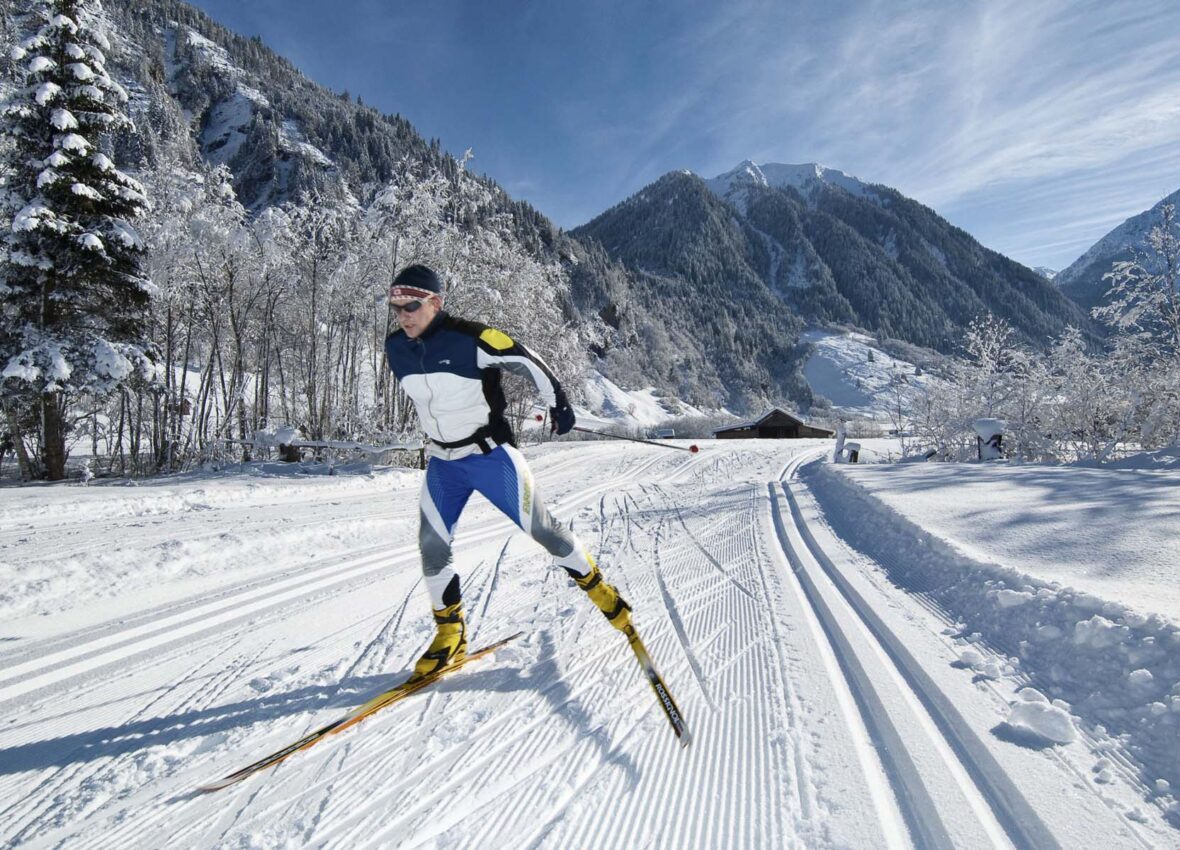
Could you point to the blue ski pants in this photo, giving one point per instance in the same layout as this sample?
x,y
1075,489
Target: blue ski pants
x,y
504,479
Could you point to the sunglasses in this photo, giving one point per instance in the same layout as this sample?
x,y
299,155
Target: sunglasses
x,y
412,307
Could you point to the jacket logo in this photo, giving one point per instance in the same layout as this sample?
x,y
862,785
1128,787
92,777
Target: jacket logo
x,y
444,362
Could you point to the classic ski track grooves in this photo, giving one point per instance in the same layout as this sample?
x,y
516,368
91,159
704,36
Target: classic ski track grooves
x,y
44,672
1004,800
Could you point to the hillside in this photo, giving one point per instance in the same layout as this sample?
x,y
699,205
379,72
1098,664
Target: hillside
x,y
804,242
1084,279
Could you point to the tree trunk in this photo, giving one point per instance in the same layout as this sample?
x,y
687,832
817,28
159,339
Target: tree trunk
x,y
53,436
29,468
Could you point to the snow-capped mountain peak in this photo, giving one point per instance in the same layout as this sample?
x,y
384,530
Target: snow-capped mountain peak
x,y
1084,280
804,177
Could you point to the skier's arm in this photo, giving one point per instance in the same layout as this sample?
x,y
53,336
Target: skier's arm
x,y
497,350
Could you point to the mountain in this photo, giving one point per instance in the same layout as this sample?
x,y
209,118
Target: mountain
x,y
1083,279
696,289
796,244
1046,272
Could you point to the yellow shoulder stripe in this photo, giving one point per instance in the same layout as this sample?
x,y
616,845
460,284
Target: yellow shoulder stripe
x,y
497,339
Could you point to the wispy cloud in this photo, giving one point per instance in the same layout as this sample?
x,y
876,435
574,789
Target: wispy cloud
x,y
977,109
1037,126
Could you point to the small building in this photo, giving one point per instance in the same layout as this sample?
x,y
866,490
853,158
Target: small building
x,y
776,425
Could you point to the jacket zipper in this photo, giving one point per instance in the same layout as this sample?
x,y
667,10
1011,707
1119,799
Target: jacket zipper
x,y
429,389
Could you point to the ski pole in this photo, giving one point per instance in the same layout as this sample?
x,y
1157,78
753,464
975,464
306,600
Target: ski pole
x,y
694,448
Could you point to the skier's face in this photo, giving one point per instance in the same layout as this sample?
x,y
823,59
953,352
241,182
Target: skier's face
x,y
414,314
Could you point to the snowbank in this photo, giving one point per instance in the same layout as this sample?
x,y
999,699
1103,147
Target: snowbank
x,y
1111,666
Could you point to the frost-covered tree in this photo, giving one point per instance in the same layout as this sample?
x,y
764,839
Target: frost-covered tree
x,y
1144,311
75,298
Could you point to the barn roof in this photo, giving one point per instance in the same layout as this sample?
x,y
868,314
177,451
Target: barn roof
x,y
754,423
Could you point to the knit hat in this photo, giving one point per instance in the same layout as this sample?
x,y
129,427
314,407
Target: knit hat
x,y
415,282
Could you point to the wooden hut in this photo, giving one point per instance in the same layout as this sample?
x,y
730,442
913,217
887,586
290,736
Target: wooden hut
x,y
776,425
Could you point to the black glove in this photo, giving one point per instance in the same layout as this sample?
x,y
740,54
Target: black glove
x,y
561,418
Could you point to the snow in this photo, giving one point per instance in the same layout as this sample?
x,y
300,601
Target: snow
x,y
63,119
226,129
159,635
857,377
40,63
44,362
292,138
73,142
1108,533
126,233
985,429
91,242
806,178
82,72
86,191
608,404
1034,714
109,363
46,92
64,22
31,216
1088,555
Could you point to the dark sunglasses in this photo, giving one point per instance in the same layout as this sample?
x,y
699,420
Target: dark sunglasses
x,y
412,307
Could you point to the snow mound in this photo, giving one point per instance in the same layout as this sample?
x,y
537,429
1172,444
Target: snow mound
x,y
1167,458
1033,714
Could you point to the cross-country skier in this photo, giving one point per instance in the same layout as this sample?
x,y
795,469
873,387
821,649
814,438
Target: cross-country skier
x,y
450,368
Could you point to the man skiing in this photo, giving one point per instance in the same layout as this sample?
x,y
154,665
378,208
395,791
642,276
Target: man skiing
x,y
450,368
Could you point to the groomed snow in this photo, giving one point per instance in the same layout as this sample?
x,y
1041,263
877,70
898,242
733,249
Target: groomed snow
x,y
158,636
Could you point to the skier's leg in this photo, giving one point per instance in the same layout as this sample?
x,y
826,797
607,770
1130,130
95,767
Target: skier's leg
x,y
445,491
507,482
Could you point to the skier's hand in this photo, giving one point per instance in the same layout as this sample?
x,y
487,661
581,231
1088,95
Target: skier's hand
x,y
561,418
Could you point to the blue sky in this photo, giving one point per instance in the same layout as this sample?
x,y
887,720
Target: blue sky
x,y
1037,125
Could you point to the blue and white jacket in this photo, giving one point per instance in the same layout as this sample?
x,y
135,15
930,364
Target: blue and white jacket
x,y
452,374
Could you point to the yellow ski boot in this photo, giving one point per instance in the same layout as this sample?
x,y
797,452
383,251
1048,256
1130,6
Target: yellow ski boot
x,y
449,645
605,596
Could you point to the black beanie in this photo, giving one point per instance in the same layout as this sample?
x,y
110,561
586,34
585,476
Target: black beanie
x,y
416,281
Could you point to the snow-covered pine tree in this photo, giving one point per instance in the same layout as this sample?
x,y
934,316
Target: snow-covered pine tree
x,y
75,301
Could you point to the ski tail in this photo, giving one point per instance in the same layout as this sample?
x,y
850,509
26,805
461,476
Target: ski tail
x,y
386,698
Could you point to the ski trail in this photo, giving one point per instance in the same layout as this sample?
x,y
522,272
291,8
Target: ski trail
x,y
696,542
557,741
376,653
483,611
988,792
677,623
